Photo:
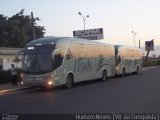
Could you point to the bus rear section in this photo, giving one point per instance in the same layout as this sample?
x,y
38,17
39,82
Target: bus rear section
x,y
128,60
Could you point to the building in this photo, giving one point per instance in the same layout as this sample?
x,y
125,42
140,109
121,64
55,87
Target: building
x,y
10,56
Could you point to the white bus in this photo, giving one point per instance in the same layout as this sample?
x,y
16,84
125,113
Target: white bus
x,y
54,61
128,60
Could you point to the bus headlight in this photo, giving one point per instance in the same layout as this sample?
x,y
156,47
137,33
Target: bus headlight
x,y
21,76
50,83
54,76
117,68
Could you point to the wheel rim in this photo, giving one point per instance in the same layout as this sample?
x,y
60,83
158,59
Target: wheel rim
x,y
104,77
69,82
123,74
137,69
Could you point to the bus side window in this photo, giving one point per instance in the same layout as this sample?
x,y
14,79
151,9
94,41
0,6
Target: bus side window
x,y
69,55
119,58
58,60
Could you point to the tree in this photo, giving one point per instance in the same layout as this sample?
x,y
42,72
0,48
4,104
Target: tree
x,y
3,30
16,31
153,56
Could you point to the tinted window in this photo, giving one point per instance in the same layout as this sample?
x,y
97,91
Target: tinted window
x,y
37,59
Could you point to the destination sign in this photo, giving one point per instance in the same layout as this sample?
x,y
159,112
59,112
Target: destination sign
x,y
91,34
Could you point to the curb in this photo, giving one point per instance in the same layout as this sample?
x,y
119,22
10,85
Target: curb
x,y
10,90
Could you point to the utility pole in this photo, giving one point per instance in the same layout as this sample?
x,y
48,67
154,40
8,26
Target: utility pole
x,y
134,37
139,44
33,28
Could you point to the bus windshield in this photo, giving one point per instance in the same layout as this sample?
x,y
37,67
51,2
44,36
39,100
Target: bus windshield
x,y
38,59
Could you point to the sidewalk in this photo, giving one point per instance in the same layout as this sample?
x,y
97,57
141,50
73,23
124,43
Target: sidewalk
x,y
8,87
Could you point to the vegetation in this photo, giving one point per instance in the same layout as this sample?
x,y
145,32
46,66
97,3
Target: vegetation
x,y
16,31
151,63
5,76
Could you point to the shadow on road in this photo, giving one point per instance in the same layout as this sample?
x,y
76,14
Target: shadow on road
x,y
38,90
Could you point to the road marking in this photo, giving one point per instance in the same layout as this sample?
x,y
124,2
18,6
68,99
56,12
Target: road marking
x,y
3,91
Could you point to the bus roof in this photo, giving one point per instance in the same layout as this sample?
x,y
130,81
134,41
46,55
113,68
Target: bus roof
x,y
45,40
125,46
54,40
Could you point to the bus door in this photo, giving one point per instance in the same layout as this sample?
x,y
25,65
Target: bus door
x,y
71,60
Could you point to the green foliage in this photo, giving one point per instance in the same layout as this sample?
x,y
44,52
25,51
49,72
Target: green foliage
x,y
151,63
5,76
16,31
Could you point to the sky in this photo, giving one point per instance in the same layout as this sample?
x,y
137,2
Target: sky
x,y
118,18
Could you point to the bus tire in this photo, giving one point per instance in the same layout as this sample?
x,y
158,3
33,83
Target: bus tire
x,y
69,81
123,72
104,76
137,70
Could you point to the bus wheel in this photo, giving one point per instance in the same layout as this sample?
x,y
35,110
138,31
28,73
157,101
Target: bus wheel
x,y
69,81
137,70
104,76
123,72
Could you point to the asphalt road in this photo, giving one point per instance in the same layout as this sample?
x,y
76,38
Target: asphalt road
x,y
137,93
